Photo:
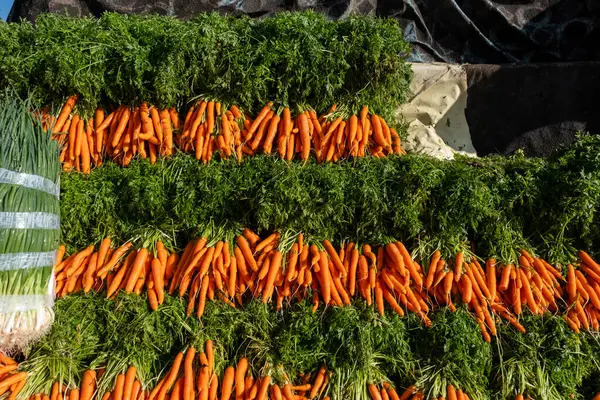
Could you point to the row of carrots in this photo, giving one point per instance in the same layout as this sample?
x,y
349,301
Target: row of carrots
x,y
11,380
264,268
192,376
209,128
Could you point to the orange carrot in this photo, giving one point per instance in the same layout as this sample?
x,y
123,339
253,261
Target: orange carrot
x,y
171,377
119,386
263,389
271,132
227,383
114,259
188,371
128,383
393,252
136,269
64,113
240,374
261,115
324,277
504,280
304,135
374,392
247,252
88,384
121,126
491,277
458,263
571,283
378,131
451,392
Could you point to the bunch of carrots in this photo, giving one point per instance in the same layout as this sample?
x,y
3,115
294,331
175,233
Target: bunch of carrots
x,y
211,128
263,268
331,136
192,376
121,135
11,381
386,392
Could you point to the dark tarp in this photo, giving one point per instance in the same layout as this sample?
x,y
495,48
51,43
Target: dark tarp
x,y
469,31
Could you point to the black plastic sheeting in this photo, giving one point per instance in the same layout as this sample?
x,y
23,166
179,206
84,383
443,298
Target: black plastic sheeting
x,y
453,31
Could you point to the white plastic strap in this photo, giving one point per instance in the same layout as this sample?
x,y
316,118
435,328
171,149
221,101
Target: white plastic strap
x,y
20,303
29,220
13,261
29,181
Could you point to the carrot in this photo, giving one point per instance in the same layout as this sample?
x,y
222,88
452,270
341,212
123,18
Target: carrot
x,y
114,259
393,252
73,137
64,113
174,116
271,132
86,149
276,393
171,377
467,289
378,131
113,286
379,299
324,277
128,383
210,356
432,268
155,118
274,268
257,139
263,389
168,135
78,259
227,383
448,278
158,278
88,384
451,392
188,374
374,392
304,135
458,263
136,269
585,257
571,283
121,126
214,387
528,293
261,115
490,274
176,393
119,386
247,252
504,280
287,392
16,389
240,374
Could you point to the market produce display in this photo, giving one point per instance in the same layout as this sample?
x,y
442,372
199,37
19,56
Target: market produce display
x,y
239,220
209,129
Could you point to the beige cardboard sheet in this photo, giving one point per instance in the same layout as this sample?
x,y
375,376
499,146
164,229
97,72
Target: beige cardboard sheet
x,y
436,111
